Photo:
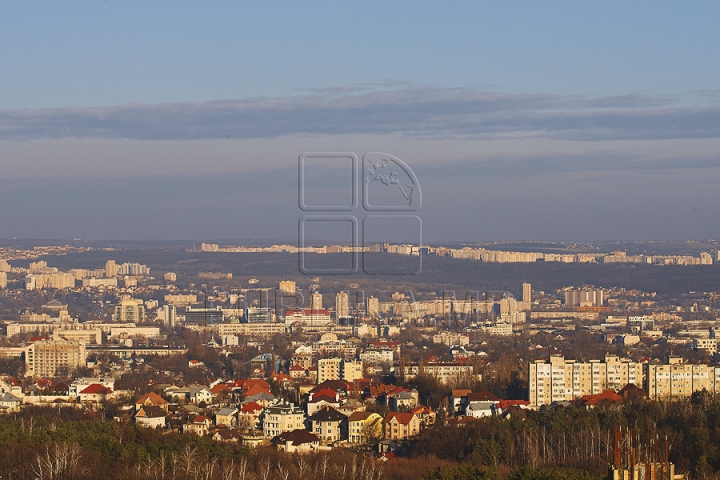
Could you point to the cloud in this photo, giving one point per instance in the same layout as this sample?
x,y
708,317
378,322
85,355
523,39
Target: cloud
x,y
539,166
382,108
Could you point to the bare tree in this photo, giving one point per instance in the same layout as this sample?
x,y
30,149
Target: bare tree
x,y
59,461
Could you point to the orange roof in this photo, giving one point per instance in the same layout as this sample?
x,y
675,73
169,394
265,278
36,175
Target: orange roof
x,y
248,384
220,387
421,410
200,419
256,389
604,397
153,399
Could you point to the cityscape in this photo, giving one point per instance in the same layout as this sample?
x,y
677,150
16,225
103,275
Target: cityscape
x,y
359,241
320,365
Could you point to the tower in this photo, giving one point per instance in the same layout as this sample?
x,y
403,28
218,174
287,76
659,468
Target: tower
x,y
110,269
527,293
316,301
342,307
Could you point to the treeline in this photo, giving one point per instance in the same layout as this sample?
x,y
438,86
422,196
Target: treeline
x,y
575,438
568,443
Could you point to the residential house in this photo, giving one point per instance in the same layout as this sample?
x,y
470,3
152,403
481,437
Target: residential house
x,y
199,425
9,403
364,427
479,409
200,394
458,399
249,415
282,417
298,441
226,435
400,425
151,416
151,399
94,393
226,416
426,415
403,401
328,424
323,399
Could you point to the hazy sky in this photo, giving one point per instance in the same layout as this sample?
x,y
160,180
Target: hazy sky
x,y
173,120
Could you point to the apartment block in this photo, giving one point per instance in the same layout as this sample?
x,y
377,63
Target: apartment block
x,y
676,379
564,380
44,358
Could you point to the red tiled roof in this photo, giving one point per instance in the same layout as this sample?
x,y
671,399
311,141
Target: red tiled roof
x,y
250,407
219,388
505,404
402,417
323,398
96,388
608,396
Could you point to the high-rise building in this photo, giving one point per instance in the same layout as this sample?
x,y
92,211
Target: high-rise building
x,y
527,293
342,305
4,266
373,306
559,380
110,269
48,358
676,379
129,310
59,280
288,286
584,298
167,314
316,301
3,280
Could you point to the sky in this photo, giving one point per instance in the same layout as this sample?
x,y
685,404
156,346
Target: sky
x,y
520,121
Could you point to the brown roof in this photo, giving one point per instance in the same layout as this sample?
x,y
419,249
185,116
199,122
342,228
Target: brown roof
x,y
461,392
327,415
359,416
482,396
150,411
298,437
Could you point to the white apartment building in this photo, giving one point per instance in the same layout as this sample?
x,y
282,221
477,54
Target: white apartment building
x,y
45,357
564,380
676,379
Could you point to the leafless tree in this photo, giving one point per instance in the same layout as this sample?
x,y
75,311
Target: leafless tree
x,y
59,461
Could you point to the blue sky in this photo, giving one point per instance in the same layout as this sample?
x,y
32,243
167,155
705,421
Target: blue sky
x,y
502,105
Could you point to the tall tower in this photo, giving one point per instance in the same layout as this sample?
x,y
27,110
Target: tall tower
x,y
316,301
110,269
527,293
342,307
373,307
